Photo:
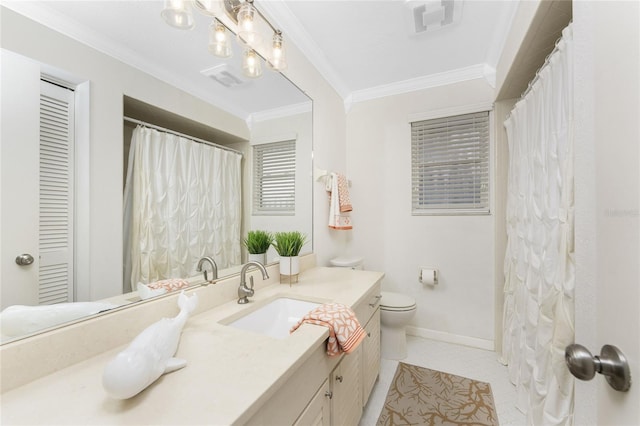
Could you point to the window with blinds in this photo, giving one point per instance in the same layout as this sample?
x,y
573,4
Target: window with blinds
x,y
274,178
450,165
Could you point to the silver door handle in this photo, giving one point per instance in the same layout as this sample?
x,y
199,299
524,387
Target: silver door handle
x,y
611,363
24,259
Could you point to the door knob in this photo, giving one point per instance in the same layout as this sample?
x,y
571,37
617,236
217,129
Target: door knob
x,y
611,363
24,259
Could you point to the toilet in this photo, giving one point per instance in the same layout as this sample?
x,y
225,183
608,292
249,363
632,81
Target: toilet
x,y
396,310
350,262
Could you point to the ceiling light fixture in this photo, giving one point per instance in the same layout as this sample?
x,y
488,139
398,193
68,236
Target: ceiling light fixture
x,y
247,34
218,40
177,13
251,65
277,60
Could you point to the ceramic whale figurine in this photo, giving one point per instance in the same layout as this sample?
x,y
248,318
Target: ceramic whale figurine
x,y
150,354
18,320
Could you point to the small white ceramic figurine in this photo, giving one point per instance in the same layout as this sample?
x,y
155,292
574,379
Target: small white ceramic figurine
x,y
150,354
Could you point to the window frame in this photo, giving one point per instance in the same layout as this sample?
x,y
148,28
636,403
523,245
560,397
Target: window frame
x,y
451,209
258,151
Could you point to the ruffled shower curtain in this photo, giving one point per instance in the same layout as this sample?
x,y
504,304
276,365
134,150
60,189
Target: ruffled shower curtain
x,y
182,202
538,320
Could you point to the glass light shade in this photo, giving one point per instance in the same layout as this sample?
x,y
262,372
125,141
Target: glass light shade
x,y
251,65
177,13
247,34
209,7
219,40
277,60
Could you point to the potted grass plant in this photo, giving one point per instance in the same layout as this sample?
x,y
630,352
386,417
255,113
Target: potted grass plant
x,y
257,243
288,246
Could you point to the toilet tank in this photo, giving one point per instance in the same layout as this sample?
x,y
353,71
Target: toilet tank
x,y
351,262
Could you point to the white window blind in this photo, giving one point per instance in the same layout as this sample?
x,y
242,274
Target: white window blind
x,y
450,165
274,180
56,194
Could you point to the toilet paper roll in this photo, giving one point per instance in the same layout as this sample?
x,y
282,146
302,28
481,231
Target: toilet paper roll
x,y
429,276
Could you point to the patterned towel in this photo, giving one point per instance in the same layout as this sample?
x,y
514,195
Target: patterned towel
x,y
344,200
345,332
339,202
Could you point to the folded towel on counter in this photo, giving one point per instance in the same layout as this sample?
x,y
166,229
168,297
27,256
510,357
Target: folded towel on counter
x,y
345,331
339,202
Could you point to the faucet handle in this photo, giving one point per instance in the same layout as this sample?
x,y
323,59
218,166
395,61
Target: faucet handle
x,y
251,282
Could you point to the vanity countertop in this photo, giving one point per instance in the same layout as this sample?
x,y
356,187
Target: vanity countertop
x,y
230,373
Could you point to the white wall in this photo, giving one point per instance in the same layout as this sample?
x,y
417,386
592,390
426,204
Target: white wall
x,y
329,146
394,241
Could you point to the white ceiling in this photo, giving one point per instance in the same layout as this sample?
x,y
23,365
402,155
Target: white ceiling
x,y
364,48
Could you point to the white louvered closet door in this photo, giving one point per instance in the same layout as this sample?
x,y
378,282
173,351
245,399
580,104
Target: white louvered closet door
x,y
56,163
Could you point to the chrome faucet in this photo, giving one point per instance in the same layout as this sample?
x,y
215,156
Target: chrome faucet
x,y
214,268
245,292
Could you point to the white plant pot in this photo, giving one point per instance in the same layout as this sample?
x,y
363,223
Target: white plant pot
x,y
258,257
289,265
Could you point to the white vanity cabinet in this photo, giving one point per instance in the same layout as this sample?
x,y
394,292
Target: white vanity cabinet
x,y
318,412
233,376
370,359
346,390
330,390
368,313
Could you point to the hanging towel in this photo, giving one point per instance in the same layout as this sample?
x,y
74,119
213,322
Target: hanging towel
x,y
339,202
345,332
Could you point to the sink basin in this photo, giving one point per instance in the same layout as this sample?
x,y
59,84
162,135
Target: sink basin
x,y
275,318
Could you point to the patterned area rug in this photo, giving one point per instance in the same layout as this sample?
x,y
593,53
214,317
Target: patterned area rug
x,y
420,396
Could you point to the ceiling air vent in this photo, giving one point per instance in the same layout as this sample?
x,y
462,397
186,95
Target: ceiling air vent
x,y
225,75
427,16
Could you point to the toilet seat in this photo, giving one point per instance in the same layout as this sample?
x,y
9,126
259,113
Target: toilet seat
x,y
396,302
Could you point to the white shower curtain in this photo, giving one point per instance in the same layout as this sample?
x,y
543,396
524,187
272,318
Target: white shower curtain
x,y
538,320
182,202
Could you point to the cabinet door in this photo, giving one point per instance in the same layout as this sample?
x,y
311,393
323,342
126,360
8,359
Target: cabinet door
x,y
318,412
346,404
370,356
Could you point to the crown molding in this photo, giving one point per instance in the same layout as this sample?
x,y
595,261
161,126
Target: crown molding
x,y
72,29
286,111
284,19
275,113
499,39
434,80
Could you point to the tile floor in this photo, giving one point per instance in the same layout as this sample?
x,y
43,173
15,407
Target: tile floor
x,y
468,362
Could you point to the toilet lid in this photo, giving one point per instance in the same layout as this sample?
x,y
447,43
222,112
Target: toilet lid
x,y
346,261
396,301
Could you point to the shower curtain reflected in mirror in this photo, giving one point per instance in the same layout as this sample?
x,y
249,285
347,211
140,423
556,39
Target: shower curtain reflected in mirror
x,y
182,201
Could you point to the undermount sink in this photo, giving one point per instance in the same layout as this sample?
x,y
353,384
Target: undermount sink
x,y
275,318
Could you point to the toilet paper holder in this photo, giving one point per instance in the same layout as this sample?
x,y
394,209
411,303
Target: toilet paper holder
x,y
428,275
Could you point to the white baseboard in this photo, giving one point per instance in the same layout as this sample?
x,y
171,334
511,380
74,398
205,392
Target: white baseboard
x,y
441,336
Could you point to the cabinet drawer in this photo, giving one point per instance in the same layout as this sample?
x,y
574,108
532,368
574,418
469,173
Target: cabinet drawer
x,y
293,396
367,306
370,356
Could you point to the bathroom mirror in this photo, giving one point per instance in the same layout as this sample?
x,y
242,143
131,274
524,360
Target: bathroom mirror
x,y
264,110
